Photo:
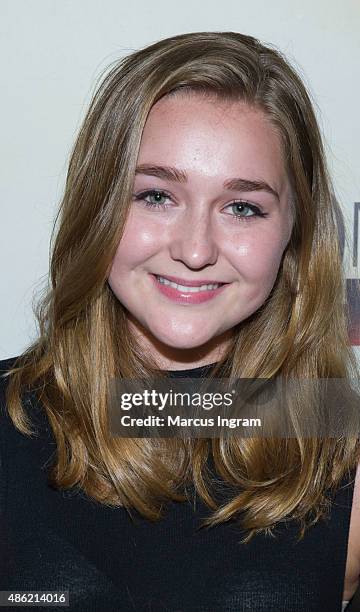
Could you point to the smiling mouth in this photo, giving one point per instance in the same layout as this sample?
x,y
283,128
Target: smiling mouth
x,y
187,288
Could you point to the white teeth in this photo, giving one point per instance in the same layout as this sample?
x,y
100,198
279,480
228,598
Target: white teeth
x,y
165,281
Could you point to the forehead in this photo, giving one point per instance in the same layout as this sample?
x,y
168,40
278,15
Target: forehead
x,y
209,113
204,134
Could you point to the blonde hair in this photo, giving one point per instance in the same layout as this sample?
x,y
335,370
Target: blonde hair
x,y
84,340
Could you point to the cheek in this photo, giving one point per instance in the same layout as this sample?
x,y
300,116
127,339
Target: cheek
x,y
138,243
257,260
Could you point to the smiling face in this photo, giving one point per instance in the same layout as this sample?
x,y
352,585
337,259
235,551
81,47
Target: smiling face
x,y
200,224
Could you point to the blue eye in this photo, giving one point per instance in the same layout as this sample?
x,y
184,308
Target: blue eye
x,y
152,193
159,195
254,209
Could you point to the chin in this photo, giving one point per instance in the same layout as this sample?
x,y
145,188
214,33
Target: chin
x,y
181,340
181,343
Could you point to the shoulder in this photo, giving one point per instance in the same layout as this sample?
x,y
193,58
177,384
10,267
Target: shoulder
x,y
5,366
17,446
31,405
354,531
24,458
6,427
355,512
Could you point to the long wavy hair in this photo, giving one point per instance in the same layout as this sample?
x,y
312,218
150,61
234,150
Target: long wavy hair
x,y
84,340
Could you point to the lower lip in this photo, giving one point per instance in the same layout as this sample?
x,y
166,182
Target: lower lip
x,y
187,297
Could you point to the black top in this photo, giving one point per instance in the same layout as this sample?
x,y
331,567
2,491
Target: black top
x,y
52,540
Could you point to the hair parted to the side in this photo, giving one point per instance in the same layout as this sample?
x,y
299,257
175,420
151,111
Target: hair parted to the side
x,y
84,340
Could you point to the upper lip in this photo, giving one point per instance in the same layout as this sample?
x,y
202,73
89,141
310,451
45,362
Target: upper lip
x,y
190,283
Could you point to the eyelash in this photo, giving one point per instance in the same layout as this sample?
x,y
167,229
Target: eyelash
x,y
257,212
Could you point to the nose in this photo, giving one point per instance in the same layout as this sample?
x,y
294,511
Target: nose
x,y
193,242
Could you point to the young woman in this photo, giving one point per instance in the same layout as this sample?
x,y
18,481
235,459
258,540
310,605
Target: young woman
x,y
198,237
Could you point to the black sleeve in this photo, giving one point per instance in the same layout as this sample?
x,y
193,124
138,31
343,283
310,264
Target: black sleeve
x,y
5,424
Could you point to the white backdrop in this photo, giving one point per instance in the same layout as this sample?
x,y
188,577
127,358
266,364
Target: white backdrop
x,y
52,52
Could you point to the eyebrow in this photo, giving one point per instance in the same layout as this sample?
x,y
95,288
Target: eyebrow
x,y
235,184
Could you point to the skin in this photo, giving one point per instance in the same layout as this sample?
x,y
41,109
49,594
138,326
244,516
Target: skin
x,y
196,237
195,234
